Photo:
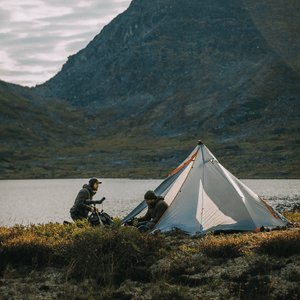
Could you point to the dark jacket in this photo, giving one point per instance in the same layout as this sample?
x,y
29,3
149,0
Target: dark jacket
x,y
155,210
79,207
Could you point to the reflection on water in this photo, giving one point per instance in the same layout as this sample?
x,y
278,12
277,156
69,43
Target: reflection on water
x,y
49,200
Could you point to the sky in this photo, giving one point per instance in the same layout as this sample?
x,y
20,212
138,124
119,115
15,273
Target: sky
x,y
37,36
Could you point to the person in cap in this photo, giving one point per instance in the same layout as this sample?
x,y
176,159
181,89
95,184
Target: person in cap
x,y
80,210
156,208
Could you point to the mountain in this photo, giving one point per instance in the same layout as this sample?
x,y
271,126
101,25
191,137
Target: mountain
x,y
186,66
47,138
166,73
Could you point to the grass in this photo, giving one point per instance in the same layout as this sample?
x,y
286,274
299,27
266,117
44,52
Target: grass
x,y
110,256
294,217
280,243
107,255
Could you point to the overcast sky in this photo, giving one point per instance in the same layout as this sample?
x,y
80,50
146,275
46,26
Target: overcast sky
x,y
37,36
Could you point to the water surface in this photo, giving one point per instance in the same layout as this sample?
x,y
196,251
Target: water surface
x,y
49,200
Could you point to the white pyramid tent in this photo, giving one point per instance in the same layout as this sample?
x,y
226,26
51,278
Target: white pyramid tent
x,y
203,196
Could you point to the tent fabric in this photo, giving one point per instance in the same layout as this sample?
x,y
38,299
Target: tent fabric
x,y
162,190
203,196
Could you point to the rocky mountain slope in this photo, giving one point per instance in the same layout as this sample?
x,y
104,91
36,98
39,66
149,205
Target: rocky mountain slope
x,y
166,73
187,67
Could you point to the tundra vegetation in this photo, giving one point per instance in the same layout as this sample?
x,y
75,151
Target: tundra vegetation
x,y
120,263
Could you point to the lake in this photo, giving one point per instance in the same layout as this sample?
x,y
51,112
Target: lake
x,y
49,200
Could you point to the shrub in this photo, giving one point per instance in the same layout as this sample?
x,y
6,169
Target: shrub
x,y
258,288
31,245
223,246
292,216
96,294
106,254
163,291
279,243
111,255
260,265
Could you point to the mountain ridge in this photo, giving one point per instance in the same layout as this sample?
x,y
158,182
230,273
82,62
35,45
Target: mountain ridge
x,y
137,74
164,74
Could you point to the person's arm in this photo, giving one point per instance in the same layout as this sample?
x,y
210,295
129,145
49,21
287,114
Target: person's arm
x,y
82,196
146,217
160,210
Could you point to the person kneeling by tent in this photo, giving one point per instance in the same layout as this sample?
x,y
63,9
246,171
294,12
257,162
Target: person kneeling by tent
x,y
156,208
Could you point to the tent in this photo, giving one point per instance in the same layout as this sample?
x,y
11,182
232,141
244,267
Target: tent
x,y
203,196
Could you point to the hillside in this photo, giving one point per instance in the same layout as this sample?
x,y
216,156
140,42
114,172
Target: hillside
x,y
187,68
160,76
42,138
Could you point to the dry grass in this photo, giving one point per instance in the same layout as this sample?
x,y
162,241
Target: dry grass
x,y
109,256
280,243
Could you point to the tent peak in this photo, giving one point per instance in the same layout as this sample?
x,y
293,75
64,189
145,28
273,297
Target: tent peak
x,y
203,196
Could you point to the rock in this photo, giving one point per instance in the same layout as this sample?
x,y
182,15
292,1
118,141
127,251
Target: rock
x,y
218,74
